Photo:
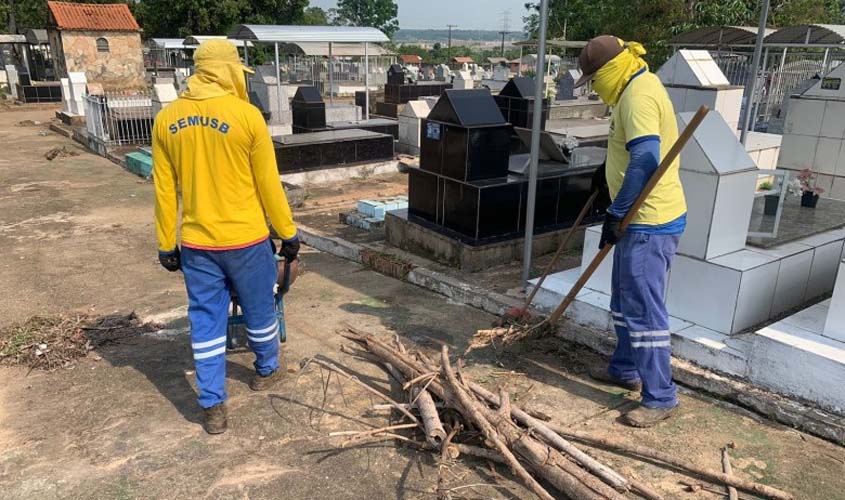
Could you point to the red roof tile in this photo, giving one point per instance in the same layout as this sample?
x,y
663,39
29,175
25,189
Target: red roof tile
x,y
461,59
410,58
94,17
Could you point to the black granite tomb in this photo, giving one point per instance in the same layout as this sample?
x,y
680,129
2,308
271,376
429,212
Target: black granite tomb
x,y
309,110
41,92
566,86
331,148
395,74
516,102
380,125
463,187
465,137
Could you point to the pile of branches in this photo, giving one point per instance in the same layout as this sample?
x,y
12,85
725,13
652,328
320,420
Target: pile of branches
x,y
447,407
52,342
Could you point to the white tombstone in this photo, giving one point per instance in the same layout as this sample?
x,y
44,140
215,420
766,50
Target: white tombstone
x,y
501,73
814,131
463,81
66,97
78,82
719,179
834,326
441,72
410,124
12,78
693,78
163,94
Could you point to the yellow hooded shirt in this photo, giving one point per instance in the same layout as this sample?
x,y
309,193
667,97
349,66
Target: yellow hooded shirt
x,y
214,146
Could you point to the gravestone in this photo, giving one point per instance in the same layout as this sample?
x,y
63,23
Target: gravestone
x,y
163,94
442,73
566,85
815,131
516,102
12,79
270,98
66,98
396,75
78,84
501,73
692,78
410,120
463,81
309,110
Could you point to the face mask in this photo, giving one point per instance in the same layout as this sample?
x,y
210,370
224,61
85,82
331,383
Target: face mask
x,y
613,77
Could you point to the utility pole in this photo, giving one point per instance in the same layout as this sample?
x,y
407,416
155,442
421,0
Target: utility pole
x,y
450,26
506,24
751,86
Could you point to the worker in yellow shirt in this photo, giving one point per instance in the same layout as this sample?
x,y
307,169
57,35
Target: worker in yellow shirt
x,y
643,128
212,147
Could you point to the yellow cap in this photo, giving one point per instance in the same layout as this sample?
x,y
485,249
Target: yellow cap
x,y
218,51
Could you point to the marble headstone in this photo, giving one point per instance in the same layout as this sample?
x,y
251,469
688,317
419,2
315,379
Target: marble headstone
x,y
78,82
12,78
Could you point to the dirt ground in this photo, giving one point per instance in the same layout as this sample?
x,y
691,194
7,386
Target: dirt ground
x,y
76,234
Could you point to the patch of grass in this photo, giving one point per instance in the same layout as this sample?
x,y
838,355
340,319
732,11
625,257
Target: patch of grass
x,y
124,490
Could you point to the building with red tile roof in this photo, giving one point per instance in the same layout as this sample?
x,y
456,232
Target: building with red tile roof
x,y
101,40
410,59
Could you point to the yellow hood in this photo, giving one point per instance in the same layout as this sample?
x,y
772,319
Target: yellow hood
x,y
218,72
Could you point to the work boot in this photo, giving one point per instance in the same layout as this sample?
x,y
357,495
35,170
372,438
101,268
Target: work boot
x,y
600,374
262,383
643,416
215,419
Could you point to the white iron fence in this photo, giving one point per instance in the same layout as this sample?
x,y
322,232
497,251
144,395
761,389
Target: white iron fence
x,y
118,119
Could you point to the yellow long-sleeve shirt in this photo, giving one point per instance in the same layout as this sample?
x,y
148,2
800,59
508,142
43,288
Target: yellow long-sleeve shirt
x,y
218,151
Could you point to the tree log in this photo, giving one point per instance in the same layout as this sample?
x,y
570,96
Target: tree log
x,y
727,469
677,463
434,431
610,476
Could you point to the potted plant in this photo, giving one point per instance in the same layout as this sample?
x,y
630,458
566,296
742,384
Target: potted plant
x,y
807,181
772,200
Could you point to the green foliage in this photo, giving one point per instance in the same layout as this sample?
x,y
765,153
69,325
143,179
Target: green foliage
x,y
655,22
166,18
315,16
379,14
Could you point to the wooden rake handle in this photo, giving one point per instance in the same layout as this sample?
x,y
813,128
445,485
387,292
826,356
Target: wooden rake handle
x,y
635,208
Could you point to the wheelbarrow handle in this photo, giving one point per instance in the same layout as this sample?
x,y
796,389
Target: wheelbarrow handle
x,y
284,286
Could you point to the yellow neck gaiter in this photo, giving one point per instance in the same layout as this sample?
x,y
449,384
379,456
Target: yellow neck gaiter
x,y
611,79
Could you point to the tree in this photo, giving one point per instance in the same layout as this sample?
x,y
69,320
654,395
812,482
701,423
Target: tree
x,y
315,16
166,18
379,14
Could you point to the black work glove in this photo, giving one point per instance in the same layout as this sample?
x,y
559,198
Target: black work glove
x,y
290,249
611,232
172,261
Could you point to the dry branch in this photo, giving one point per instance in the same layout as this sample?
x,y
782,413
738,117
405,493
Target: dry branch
x,y
726,468
677,463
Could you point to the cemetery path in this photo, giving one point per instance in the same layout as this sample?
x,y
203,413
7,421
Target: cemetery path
x,y
123,424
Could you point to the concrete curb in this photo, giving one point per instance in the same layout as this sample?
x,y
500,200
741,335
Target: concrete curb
x,y
771,405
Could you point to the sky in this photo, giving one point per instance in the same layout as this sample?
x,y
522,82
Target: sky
x,y
467,14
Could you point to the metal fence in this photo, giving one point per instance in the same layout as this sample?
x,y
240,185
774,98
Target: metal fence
x,y
119,119
783,71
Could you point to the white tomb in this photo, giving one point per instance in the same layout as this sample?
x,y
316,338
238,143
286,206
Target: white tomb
x,y
501,73
410,119
12,79
442,72
272,99
463,81
693,78
720,287
66,97
163,94
814,132
78,83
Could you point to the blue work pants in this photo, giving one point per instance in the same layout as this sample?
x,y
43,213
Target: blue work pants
x,y
210,276
638,304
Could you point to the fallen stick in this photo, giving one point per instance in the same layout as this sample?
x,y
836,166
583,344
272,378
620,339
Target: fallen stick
x,y
677,463
474,411
727,469
607,474
369,389
435,434
548,462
